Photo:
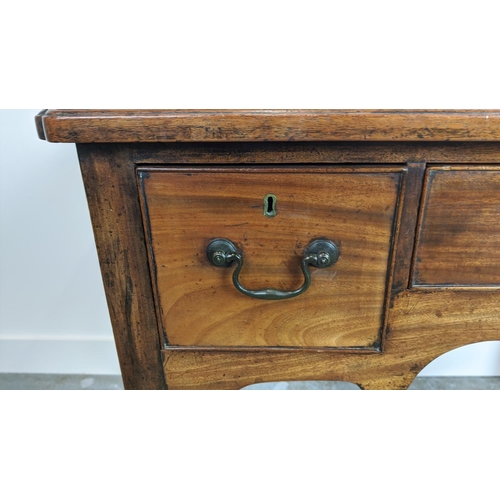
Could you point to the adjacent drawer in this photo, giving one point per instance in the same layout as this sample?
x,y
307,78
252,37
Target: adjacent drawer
x,y
458,241
271,215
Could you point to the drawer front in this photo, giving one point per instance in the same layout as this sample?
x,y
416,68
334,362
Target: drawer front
x,y
271,215
459,238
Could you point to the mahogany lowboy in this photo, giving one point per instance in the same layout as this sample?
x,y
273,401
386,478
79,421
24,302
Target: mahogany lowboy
x,y
239,247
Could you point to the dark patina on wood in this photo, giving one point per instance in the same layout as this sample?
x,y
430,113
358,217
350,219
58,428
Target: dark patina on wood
x,y
458,242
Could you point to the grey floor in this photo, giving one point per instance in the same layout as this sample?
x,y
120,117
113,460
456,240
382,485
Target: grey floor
x,y
29,381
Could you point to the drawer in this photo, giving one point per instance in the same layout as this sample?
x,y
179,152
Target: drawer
x,y
271,216
460,228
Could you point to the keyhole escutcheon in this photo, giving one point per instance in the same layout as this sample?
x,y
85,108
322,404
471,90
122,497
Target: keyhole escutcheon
x,y
270,202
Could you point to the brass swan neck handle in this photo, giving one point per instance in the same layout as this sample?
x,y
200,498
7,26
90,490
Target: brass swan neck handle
x,y
319,253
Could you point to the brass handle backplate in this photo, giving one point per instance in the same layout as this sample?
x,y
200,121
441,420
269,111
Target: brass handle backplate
x,y
319,253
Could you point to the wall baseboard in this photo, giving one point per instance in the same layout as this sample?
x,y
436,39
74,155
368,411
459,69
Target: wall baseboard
x,y
91,355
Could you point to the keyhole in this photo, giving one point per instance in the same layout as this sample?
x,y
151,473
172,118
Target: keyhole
x,y
270,205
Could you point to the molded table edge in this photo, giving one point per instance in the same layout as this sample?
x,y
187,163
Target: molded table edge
x,y
104,126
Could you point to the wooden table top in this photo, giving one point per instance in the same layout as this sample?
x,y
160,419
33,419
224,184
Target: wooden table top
x,y
125,126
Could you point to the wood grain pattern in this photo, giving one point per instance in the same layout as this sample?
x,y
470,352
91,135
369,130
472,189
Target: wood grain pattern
x,y
84,126
424,325
459,240
111,188
344,307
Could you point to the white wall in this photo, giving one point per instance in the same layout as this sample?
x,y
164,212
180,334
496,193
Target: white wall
x,y
53,314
